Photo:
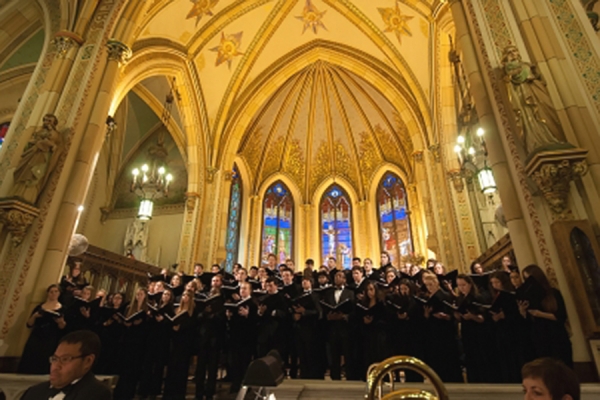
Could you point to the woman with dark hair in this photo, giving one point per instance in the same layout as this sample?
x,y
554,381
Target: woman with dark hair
x,y
156,354
182,337
111,332
442,349
386,262
549,379
370,312
547,319
133,345
72,284
46,323
79,315
475,332
511,332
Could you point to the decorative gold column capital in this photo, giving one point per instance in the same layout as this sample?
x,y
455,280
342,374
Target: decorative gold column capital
x,y
553,172
457,180
16,217
435,152
210,173
418,156
228,175
64,41
118,51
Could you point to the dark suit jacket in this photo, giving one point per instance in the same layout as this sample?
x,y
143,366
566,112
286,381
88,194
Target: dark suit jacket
x,y
88,388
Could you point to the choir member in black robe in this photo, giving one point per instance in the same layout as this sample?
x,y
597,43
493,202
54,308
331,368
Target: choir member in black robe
x,y
442,346
46,323
547,319
241,321
157,346
290,290
110,336
515,278
210,340
79,315
386,262
475,332
370,314
272,311
133,346
71,284
405,324
370,272
511,332
182,337
306,314
337,324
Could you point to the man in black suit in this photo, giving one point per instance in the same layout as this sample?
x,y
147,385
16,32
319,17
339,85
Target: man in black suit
x,y
71,376
337,322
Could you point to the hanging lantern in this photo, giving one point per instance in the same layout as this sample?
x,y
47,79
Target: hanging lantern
x,y
145,211
486,180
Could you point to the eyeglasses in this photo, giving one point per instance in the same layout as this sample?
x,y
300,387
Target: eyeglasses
x,y
64,359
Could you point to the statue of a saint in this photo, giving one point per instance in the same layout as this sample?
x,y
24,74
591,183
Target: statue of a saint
x,y
536,117
38,161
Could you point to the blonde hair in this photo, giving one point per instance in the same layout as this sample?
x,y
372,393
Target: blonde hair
x,y
190,304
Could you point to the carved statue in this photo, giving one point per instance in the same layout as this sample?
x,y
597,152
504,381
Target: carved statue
x,y
38,161
536,117
136,240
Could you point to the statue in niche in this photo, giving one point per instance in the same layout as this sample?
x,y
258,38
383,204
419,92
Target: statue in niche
x,y
136,240
38,160
537,119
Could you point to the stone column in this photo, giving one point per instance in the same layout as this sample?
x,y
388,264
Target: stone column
x,y
496,156
83,167
430,234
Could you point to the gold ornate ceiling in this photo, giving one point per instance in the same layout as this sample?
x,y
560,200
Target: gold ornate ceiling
x,y
325,121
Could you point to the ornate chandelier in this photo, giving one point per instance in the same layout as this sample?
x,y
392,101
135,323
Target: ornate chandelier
x,y
151,180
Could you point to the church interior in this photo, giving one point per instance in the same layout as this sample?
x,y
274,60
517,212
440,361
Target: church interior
x,y
142,135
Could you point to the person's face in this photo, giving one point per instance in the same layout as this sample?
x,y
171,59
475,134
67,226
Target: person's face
x,y
53,294
117,300
151,287
339,279
272,260
535,389
405,268
438,269
322,279
306,285
214,269
216,282
414,270
515,279
262,273
371,292
512,55
140,296
404,290
62,374
463,286
290,264
356,275
271,287
166,297
245,291
390,276
287,277
506,261
159,287
385,260
253,273
478,269
242,275
355,263
197,269
431,285
368,265
190,286
86,294
185,299
496,284
331,263
176,281
76,271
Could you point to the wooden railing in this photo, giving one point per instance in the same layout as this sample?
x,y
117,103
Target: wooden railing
x,y
113,272
492,257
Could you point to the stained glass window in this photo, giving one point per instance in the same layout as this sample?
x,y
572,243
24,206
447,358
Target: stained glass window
x,y
232,242
394,223
336,226
3,130
278,223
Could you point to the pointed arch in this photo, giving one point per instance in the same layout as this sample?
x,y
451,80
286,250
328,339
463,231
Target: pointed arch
x,y
335,223
393,218
234,219
277,222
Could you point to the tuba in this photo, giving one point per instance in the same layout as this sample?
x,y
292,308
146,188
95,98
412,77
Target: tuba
x,y
376,375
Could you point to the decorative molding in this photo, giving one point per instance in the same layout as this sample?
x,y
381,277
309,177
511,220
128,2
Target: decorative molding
x,y
118,51
553,172
210,173
456,178
64,41
418,156
435,152
16,217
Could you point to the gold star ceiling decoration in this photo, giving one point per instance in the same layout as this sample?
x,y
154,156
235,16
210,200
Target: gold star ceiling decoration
x,y
395,21
312,18
201,8
228,48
